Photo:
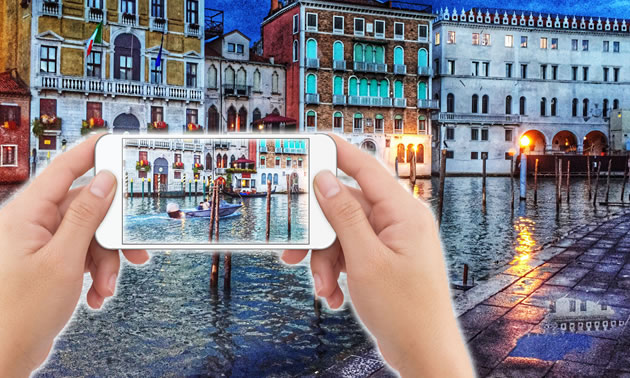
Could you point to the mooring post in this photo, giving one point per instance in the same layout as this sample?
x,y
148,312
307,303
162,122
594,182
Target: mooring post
x,y
608,179
268,215
203,185
599,168
568,181
289,207
217,215
227,271
149,186
143,187
412,167
625,180
212,214
559,180
196,189
396,166
556,164
523,177
159,179
465,278
536,182
588,176
512,178
131,186
214,273
484,158
441,188
189,189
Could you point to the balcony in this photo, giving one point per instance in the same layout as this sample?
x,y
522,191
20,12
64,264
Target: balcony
x,y
158,24
115,88
237,90
370,67
370,101
51,8
400,102
287,150
312,63
425,71
490,119
427,104
339,65
193,30
312,98
95,15
128,19
400,69
339,100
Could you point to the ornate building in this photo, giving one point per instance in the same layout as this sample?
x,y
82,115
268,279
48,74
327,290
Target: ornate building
x,y
502,74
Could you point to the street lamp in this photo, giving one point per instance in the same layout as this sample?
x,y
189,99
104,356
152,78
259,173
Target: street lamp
x,y
525,142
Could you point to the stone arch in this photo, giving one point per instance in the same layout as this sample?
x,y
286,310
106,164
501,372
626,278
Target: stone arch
x,y
369,146
213,119
595,143
538,141
564,141
126,122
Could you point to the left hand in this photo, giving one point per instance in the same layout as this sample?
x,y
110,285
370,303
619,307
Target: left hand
x,y
46,245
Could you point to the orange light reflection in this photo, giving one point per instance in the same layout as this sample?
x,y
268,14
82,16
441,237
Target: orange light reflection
x,y
525,242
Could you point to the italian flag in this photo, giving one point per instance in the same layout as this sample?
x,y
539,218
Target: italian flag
x,y
97,37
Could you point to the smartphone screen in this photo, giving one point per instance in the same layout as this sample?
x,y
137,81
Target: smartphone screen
x,y
175,188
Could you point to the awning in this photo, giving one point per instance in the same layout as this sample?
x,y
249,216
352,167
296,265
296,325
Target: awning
x,y
272,118
243,161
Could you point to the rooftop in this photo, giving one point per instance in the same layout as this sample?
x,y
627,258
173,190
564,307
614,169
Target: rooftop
x,y
11,84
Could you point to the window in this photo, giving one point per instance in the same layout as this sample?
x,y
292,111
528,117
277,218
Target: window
x,y
509,41
157,8
192,11
98,4
543,107
8,155
451,67
231,47
379,29
379,123
605,108
338,122
359,26
156,72
451,38
311,21
615,104
554,43
543,42
616,46
157,114
48,59
508,105
606,47
277,161
94,64
338,24
126,67
475,39
485,40
524,71
257,81
475,68
450,154
311,120
437,39
450,133
10,113
191,116
474,108
274,83
128,6
574,107
474,134
543,71
240,48
524,41
485,69
398,124
574,44
191,75
508,69
574,73
484,134
450,103
295,51
554,107
485,104
508,135
585,45
423,32
585,73
357,124
616,74
399,30
606,69
422,125
296,23
474,155
522,105
311,84
554,72
585,107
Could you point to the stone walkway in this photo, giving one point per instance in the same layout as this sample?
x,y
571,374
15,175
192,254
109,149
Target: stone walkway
x,y
561,313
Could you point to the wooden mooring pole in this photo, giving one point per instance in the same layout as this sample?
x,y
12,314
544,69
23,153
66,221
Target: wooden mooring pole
x,y
557,187
465,277
441,188
608,179
599,168
625,180
560,181
568,181
512,178
268,210
289,207
588,176
227,271
412,168
536,182
214,273
483,182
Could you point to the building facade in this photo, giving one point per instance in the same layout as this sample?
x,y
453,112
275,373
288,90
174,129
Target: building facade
x,y
15,101
501,74
241,87
360,69
119,86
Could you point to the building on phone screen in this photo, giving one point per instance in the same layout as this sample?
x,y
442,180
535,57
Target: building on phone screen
x,y
14,128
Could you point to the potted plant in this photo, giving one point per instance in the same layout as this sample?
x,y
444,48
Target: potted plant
x,y
192,127
197,167
10,125
178,165
45,123
94,123
157,126
143,166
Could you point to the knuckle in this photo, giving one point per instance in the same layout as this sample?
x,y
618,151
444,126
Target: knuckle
x,y
350,212
80,213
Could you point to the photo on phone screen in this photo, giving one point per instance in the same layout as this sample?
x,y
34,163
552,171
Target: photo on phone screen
x,y
169,186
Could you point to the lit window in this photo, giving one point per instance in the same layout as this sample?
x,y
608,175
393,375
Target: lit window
x,y
437,39
485,40
451,38
8,155
475,39
543,42
523,41
554,43
509,41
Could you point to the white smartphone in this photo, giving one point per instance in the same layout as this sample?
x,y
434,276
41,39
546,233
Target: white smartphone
x,y
166,197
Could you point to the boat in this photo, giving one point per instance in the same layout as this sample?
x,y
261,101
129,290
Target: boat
x,y
225,209
247,194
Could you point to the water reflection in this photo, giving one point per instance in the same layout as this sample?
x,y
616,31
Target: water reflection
x,y
525,243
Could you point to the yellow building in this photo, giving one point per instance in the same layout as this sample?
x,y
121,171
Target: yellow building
x,y
119,85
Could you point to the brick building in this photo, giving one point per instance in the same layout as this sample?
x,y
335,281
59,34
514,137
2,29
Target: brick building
x,y
359,68
14,128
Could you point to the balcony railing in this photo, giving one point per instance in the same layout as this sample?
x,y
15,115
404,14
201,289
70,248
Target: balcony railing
x,y
339,65
400,102
478,118
118,88
128,19
400,69
312,98
370,101
427,104
193,30
158,24
95,15
339,100
370,67
51,8
288,150
312,63
425,71
237,90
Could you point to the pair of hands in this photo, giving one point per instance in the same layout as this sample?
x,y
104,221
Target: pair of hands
x,y
387,244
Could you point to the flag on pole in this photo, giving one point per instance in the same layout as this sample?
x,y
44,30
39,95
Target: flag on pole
x,y
97,37
158,60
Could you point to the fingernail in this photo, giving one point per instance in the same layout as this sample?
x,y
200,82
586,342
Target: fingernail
x,y
111,284
99,302
318,283
327,184
102,184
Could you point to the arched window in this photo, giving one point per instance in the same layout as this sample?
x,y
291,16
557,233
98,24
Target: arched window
x,y
263,178
450,103
369,54
373,88
423,60
422,90
212,77
543,106
275,111
296,56
358,52
422,124
615,104
242,120
420,154
585,107
311,49
256,115
311,84
353,86
522,106
357,125
605,108
384,89
400,153
398,89
230,77
219,161
208,161
241,78
554,107
574,107
232,160
379,55
399,55
508,105
485,104
311,119
257,80
338,85
409,152
474,106
338,121
231,118
274,82
213,119
275,179
338,51
225,163
127,57
363,87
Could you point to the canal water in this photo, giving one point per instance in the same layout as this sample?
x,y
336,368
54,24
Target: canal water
x,y
164,320
146,221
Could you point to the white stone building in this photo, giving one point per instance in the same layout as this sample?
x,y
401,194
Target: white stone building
x,y
501,74
241,87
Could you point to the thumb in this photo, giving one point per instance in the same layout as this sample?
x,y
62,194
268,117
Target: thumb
x,y
83,216
347,218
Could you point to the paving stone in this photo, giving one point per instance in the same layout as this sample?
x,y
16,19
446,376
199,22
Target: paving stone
x,y
568,369
620,359
545,271
527,314
524,286
384,372
504,299
617,297
354,366
599,352
522,269
521,367
481,292
492,345
545,294
568,277
479,318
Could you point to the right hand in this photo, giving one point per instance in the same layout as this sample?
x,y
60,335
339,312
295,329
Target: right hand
x,y
388,244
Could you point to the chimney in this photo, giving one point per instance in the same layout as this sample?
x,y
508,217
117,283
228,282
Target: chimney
x,y
274,5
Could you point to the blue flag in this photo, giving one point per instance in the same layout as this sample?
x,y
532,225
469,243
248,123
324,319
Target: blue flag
x,y
158,61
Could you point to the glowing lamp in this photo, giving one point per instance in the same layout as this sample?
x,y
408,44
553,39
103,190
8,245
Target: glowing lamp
x,y
512,152
525,141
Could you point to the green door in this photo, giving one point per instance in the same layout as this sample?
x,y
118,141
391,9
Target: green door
x,y
379,55
422,90
363,87
423,61
399,55
338,51
384,88
338,85
311,49
374,88
398,89
358,53
311,84
369,54
352,86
